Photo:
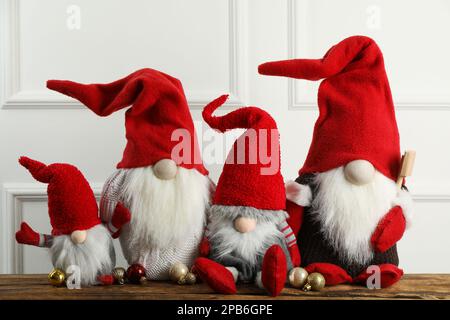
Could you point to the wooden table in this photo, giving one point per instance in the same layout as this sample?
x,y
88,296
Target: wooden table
x,y
420,286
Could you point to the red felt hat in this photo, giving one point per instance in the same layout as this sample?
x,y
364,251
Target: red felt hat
x,y
158,108
245,179
71,202
357,116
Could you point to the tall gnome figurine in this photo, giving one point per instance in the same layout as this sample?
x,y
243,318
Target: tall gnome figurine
x,y
78,237
161,179
345,206
248,236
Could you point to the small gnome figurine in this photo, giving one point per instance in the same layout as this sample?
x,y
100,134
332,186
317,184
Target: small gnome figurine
x,y
345,205
248,238
161,180
78,237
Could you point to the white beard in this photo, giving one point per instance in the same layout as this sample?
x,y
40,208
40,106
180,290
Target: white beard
x,y
164,212
94,257
249,246
349,214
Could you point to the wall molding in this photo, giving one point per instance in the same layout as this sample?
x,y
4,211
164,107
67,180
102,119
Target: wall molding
x,y
13,97
13,196
298,34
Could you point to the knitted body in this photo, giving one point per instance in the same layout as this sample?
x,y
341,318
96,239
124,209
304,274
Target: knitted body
x,y
156,259
316,248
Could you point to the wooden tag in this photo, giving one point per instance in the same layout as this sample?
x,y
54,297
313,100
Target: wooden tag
x,y
407,165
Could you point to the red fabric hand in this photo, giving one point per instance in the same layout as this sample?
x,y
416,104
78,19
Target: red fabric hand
x,y
26,235
389,230
121,216
295,216
204,247
294,252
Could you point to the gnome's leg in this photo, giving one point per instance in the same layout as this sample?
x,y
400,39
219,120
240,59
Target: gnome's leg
x,y
219,278
389,275
274,270
246,270
332,273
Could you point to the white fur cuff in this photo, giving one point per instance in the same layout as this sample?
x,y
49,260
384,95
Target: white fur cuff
x,y
298,193
404,200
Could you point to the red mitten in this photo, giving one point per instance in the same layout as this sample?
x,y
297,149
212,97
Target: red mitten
x,y
26,235
294,252
204,247
389,230
120,217
295,215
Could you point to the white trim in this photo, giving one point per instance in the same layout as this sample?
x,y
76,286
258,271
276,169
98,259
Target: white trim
x,y
14,98
298,31
13,195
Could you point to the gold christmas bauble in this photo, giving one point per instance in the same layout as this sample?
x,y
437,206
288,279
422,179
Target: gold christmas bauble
x,y
57,277
178,271
297,277
190,278
119,275
315,282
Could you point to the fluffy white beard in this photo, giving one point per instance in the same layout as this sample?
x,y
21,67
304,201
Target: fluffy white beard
x,y
349,214
94,257
250,245
164,212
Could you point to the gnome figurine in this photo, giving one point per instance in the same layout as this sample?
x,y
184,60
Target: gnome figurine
x,y
78,237
161,179
248,238
345,207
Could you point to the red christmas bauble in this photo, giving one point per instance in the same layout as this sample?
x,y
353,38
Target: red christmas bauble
x,y
135,273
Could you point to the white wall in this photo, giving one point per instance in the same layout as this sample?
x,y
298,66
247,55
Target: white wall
x,y
214,47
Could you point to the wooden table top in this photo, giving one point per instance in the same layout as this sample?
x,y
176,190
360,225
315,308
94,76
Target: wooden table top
x,y
418,286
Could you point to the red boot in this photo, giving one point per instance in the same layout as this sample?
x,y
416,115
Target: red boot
x,y
332,273
389,274
105,280
219,278
274,270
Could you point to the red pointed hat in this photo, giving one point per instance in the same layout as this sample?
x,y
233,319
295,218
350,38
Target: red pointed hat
x,y
246,179
158,107
357,116
71,202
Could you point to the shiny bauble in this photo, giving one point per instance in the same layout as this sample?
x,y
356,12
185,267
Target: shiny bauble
x,y
135,273
178,271
298,277
57,277
315,282
119,275
190,278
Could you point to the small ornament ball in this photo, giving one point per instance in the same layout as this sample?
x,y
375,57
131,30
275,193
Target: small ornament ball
x,y
136,273
119,275
57,277
178,272
315,282
298,277
190,278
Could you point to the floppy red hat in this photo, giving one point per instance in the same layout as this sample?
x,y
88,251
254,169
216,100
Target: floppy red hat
x,y
158,108
357,116
243,181
71,202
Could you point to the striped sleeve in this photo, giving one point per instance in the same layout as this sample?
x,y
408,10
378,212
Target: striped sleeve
x,y
288,233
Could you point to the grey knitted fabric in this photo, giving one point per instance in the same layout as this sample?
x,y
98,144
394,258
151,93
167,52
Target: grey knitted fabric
x,y
157,261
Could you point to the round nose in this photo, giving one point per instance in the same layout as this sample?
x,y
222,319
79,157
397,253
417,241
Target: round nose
x,y
359,172
243,224
165,169
78,236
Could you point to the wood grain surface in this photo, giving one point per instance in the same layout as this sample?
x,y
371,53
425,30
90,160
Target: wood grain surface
x,y
418,286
